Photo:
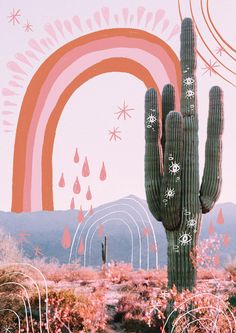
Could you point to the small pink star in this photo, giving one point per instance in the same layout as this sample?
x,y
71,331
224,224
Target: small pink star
x,y
210,67
14,17
123,111
219,50
22,237
37,251
114,133
28,27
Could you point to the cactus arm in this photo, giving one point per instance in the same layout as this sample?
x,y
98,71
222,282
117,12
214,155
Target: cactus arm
x,y
168,104
171,183
212,175
153,153
190,171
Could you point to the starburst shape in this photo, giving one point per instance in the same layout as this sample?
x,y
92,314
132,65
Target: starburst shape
x,y
210,67
170,193
7,329
219,50
37,251
114,134
124,111
13,17
28,27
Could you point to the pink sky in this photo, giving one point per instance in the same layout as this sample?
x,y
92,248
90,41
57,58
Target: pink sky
x,y
90,112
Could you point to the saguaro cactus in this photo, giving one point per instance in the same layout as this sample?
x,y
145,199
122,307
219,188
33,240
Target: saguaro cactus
x,y
172,167
104,251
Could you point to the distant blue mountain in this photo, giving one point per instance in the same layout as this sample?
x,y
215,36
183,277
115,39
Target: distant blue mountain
x,y
131,230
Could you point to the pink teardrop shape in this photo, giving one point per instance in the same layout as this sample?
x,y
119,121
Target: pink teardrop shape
x,y
85,169
91,210
76,156
220,217
153,247
81,247
80,215
146,231
211,229
76,187
100,230
66,238
89,194
226,240
72,203
61,181
103,174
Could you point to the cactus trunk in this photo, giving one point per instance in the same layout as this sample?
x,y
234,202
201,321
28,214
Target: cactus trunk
x,y
172,184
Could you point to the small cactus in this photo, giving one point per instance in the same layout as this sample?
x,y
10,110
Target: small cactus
x,y
104,251
172,187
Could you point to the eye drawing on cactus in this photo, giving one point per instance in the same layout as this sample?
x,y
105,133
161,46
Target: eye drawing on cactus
x,y
191,223
185,239
171,152
189,94
151,119
170,193
174,168
188,81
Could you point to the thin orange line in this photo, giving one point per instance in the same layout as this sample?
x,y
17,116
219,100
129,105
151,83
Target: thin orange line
x,y
209,16
191,9
213,34
203,59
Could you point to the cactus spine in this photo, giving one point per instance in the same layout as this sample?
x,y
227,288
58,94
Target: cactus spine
x,y
104,251
172,167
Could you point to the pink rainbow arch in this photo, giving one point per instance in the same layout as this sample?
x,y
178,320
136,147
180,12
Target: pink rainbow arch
x,y
132,51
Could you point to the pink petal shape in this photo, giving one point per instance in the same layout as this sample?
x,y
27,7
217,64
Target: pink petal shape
x,y
125,14
76,21
66,238
116,17
35,45
174,31
140,12
50,30
76,156
62,181
14,84
44,43
59,27
14,67
6,123
8,92
226,240
216,260
165,25
103,174
97,18
50,42
7,112
85,169
106,14
68,26
89,24
31,55
88,194
76,186
8,103
21,57
158,17
148,18
17,77
131,18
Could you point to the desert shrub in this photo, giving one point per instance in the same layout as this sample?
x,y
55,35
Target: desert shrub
x,y
9,250
116,272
